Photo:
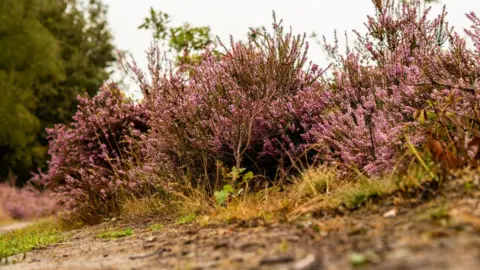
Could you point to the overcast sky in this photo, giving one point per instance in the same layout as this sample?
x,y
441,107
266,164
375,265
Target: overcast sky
x,y
227,17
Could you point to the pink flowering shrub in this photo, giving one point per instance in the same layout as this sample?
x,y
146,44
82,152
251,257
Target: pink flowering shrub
x,y
91,159
454,138
403,63
259,106
25,204
233,110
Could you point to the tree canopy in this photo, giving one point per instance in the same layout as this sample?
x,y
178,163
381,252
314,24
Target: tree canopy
x,y
50,51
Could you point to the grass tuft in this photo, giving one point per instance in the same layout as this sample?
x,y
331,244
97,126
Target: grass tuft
x,y
186,219
157,227
314,190
353,197
113,234
41,233
316,181
142,207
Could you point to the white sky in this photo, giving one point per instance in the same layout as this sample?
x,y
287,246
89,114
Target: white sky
x,y
226,17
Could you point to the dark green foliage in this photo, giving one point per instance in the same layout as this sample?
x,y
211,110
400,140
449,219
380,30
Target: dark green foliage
x,y
50,51
86,50
28,53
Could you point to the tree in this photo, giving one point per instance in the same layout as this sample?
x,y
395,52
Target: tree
x,y
28,53
86,50
186,41
50,51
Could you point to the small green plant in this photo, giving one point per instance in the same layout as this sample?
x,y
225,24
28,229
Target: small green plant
x,y
361,259
222,196
237,177
239,173
186,219
357,259
116,234
436,214
157,227
40,234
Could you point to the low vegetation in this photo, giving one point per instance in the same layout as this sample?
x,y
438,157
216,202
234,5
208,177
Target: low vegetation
x,y
186,219
113,234
157,227
41,233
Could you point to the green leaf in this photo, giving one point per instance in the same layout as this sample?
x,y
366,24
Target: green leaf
x,y
228,188
235,173
358,259
247,177
221,196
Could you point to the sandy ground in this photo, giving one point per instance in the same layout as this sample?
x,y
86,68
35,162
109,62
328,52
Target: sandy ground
x,y
420,232
14,226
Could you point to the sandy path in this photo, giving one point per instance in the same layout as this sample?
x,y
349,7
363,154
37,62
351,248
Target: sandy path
x,y
416,237
14,226
395,243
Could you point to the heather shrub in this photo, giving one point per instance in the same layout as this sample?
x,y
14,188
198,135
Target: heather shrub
x,y
92,159
260,107
452,118
403,63
232,111
25,204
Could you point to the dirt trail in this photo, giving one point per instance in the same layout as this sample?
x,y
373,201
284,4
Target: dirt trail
x,y
443,233
14,226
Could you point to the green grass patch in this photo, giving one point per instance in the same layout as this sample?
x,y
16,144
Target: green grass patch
x,y
186,219
42,233
354,197
469,186
157,227
437,213
113,234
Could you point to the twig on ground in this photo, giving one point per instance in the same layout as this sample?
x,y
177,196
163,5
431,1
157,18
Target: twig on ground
x,y
157,252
